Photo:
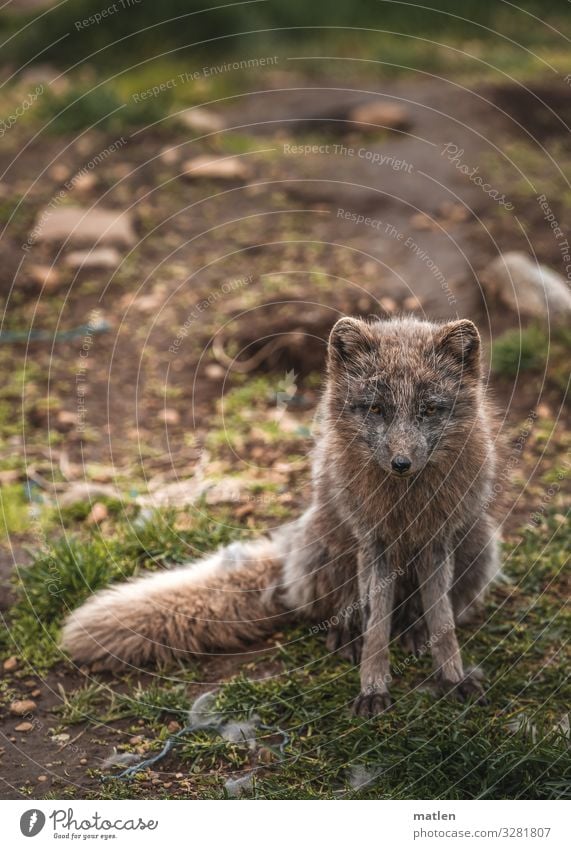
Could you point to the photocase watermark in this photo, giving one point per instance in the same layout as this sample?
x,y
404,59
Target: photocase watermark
x,y
454,155
512,461
399,668
356,606
423,255
560,237
204,73
97,17
357,218
204,305
94,323
553,489
382,160
7,123
67,187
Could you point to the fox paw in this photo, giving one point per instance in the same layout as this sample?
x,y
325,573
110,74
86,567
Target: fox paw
x,y
414,640
346,642
468,689
372,704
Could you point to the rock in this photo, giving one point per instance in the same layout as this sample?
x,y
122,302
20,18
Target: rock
x,y
526,287
412,303
20,707
216,168
97,514
86,491
77,225
379,114
200,119
66,418
421,221
42,778
214,371
24,727
59,172
96,258
84,182
169,155
61,739
388,304
45,275
10,664
169,416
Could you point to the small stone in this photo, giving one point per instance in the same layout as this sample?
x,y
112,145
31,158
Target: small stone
x,y
543,411
97,514
138,738
380,114
77,225
20,707
96,258
36,694
421,221
66,418
45,275
200,119
412,303
24,727
173,726
10,664
169,416
214,371
84,182
216,168
59,172
61,738
42,778
169,155
83,761
388,304
527,288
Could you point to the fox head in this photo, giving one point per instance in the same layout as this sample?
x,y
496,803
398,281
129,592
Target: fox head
x,y
403,393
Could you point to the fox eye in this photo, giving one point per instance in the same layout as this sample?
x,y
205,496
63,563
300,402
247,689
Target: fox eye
x,y
376,409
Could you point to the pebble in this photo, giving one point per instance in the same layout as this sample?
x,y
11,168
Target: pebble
x,y
10,664
45,275
96,258
20,707
169,416
24,727
216,168
380,114
74,225
97,514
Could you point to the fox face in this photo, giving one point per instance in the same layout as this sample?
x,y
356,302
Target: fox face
x,y
404,393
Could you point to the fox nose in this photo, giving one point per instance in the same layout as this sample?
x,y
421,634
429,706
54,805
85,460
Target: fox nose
x,y
401,464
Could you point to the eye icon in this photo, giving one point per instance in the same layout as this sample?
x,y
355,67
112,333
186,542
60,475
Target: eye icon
x,y
32,822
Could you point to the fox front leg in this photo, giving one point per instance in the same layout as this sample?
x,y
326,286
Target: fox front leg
x,y
376,595
435,570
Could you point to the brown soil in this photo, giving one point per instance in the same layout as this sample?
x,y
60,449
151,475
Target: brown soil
x,y
308,264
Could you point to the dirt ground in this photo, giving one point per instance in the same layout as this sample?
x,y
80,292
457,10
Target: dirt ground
x,y
291,236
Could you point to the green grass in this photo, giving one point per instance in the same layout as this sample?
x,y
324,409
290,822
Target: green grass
x,y
60,579
534,350
426,747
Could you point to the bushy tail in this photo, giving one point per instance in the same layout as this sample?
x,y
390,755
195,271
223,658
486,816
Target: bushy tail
x,y
222,602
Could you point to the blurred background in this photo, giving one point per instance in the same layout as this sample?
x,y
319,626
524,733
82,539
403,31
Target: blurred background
x,y
189,198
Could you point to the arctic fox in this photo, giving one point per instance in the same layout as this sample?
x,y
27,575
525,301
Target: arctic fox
x,y
399,538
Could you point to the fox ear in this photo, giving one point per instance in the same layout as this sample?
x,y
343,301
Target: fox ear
x,y
460,340
349,338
